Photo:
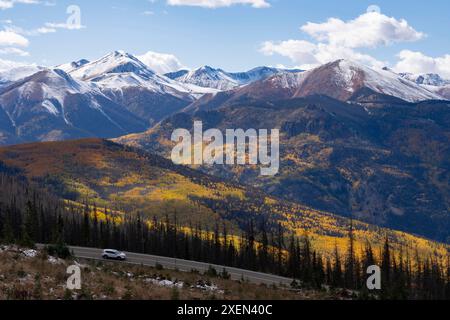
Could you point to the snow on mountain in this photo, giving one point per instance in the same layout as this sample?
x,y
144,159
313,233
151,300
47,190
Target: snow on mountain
x,y
51,105
176,74
115,62
119,70
259,73
444,91
17,73
71,66
55,84
48,87
381,81
342,78
428,79
6,65
209,77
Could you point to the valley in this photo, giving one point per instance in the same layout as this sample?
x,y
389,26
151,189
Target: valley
x,y
355,143
129,182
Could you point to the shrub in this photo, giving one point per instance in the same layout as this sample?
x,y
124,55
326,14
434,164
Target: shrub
x,y
59,250
224,274
211,272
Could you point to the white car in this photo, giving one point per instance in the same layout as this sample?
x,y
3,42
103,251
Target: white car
x,y
114,255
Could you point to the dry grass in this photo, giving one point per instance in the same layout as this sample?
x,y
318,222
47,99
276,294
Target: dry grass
x,y
37,278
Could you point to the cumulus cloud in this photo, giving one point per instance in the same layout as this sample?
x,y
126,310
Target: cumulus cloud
x,y
337,39
6,65
218,3
308,55
10,38
161,62
417,62
369,30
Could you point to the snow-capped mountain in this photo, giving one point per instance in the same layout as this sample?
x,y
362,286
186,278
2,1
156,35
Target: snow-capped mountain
x,y
129,82
112,63
118,94
51,105
347,77
341,79
428,79
119,70
209,77
71,66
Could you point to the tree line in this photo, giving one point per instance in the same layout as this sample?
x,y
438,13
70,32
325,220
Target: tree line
x,y
29,216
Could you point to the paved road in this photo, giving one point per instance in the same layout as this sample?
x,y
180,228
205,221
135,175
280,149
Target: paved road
x,y
185,265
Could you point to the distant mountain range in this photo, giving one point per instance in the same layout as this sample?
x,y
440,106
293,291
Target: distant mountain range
x,y
118,94
51,105
429,79
208,77
109,97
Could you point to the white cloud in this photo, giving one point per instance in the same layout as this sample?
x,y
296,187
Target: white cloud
x,y
417,62
68,26
8,4
338,39
161,62
369,30
10,38
14,51
308,55
8,65
44,30
34,32
218,3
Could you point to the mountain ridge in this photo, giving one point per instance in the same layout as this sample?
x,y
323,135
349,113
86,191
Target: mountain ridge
x,y
143,98
386,164
207,76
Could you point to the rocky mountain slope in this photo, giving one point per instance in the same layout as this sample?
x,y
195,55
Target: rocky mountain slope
x,y
380,159
129,181
341,80
123,95
209,77
51,105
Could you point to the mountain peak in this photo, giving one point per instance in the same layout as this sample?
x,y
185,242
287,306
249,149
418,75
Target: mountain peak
x,y
206,68
119,53
115,62
71,66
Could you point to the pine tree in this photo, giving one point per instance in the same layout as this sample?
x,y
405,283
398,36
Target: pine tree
x,y
350,260
386,269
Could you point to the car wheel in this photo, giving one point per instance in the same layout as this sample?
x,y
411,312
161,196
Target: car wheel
x,y
105,257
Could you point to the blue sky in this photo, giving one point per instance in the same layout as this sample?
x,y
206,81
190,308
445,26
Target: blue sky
x,y
230,37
